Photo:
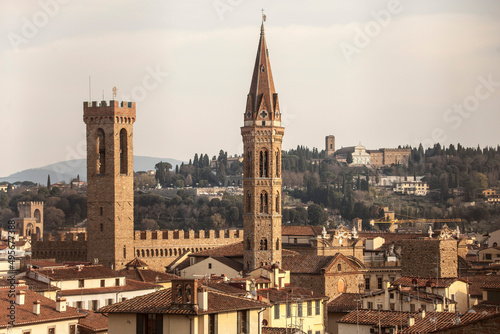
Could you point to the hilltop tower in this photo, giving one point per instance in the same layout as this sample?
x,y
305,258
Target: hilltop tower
x,y
30,219
262,137
330,145
110,182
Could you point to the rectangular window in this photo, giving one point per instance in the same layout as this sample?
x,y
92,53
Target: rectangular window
x,y
95,305
392,306
391,295
294,240
109,301
288,310
103,283
209,266
299,309
81,283
309,308
488,256
310,331
117,282
369,305
277,311
367,283
412,307
124,299
102,227
423,307
72,329
52,330
243,325
318,307
379,283
149,323
212,324
79,304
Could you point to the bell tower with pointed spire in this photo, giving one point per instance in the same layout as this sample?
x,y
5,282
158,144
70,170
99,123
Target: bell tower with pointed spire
x,y
262,137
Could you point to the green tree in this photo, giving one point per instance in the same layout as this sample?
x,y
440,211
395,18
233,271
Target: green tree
x,y
349,159
316,214
162,173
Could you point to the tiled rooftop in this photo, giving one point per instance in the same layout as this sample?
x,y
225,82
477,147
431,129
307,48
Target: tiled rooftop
x,y
131,285
231,250
372,317
438,320
301,230
94,321
307,264
345,302
423,282
161,302
147,275
290,292
477,282
136,263
25,315
74,273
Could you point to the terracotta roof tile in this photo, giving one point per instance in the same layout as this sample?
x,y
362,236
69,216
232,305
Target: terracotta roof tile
x,y
478,281
136,262
438,320
161,302
25,315
226,288
423,282
38,264
231,250
289,292
147,275
345,302
306,264
301,230
131,285
73,273
372,317
95,322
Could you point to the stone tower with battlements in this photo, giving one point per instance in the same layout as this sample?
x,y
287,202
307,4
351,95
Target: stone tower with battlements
x,y
262,137
110,178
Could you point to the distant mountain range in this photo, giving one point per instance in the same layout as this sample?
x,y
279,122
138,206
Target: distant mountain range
x,y
70,169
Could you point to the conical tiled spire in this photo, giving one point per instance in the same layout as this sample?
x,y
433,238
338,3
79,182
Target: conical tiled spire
x,y
262,101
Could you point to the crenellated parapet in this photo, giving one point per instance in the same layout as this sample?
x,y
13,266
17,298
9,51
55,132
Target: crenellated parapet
x,y
188,237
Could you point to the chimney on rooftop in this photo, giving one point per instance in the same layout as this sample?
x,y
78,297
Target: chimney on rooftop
x,y
61,305
411,321
20,297
36,307
202,299
421,313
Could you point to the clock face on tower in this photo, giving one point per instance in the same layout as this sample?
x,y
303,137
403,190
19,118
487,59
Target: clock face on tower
x,y
263,114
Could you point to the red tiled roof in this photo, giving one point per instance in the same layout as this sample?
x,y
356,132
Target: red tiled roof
x,y
24,313
372,317
226,288
37,264
131,285
478,281
289,292
438,320
147,275
301,230
136,262
306,264
345,302
73,273
487,307
161,302
423,282
95,322
488,329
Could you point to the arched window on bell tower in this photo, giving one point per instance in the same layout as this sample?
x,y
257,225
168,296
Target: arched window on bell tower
x,y
249,163
278,244
263,202
249,202
263,244
123,152
278,202
263,163
101,152
278,162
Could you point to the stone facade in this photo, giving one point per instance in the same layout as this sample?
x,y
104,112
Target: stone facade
x,y
429,258
262,137
110,182
30,219
330,145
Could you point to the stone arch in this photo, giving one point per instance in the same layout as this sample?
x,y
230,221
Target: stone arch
x,y
147,252
142,252
101,152
161,252
263,163
123,151
263,244
277,202
264,202
156,252
138,253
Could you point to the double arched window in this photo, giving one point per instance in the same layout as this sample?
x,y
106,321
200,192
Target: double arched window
x,y
263,163
264,207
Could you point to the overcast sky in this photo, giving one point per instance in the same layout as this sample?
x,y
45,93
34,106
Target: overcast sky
x,y
383,73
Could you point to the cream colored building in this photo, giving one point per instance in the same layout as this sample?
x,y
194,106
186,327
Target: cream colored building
x,y
417,188
188,309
